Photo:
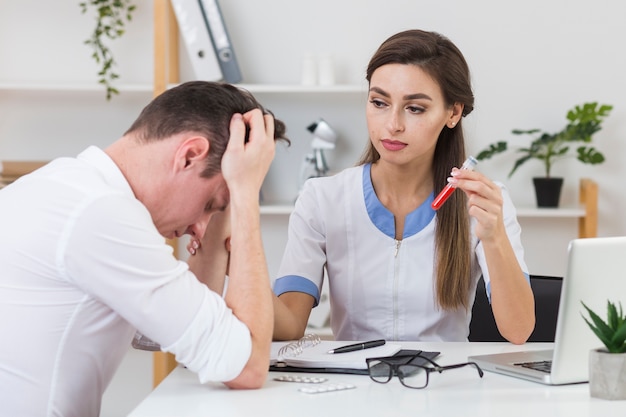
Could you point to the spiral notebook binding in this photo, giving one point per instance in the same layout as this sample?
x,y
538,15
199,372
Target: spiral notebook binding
x,y
295,348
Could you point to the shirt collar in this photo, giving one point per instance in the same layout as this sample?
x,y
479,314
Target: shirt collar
x,y
383,219
109,170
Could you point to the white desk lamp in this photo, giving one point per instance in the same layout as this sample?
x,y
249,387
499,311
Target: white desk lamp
x,y
324,138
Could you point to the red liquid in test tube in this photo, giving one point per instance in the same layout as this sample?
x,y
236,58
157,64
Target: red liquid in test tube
x,y
447,191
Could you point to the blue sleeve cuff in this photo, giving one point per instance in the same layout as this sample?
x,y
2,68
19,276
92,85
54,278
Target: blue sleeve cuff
x,y
291,283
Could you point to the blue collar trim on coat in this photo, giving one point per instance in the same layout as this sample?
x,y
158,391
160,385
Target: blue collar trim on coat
x,y
383,219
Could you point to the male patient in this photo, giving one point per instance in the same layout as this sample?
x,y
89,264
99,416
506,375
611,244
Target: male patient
x,y
85,263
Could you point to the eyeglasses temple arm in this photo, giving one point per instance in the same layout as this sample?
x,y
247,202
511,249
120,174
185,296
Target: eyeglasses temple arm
x,y
460,365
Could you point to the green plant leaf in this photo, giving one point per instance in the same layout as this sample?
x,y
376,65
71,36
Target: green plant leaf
x,y
617,322
583,121
619,340
605,341
589,155
519,163
611,315
493,149
110,24
611,333
599,327
525,132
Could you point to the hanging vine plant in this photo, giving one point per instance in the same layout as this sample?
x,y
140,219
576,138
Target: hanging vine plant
x,y
111,16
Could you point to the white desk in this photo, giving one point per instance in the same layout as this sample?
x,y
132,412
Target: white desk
x,y
455,392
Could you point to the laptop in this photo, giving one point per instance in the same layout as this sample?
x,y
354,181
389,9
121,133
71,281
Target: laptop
x,y
596,273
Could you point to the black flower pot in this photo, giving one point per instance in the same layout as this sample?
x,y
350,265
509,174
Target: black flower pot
x,y
548,191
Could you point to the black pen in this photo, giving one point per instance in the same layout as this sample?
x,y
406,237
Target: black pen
x,y
358,346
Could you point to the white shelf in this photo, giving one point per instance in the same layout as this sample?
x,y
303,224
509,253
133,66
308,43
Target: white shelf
x,y
298,89
61,87
561,212
522,212
147,88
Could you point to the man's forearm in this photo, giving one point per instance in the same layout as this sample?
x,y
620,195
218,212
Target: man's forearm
x,y
249,294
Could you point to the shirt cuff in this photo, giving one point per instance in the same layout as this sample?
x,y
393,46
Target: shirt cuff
x,y
296,283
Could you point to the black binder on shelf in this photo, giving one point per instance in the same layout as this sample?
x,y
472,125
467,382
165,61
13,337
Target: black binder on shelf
x,y
197,40
221,41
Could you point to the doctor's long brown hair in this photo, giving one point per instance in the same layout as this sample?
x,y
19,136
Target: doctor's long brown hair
x,y
443,61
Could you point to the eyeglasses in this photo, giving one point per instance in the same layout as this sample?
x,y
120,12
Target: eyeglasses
x,y
411,373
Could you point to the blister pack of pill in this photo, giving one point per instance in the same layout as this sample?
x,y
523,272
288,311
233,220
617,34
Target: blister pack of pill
x,y
302,379
319,389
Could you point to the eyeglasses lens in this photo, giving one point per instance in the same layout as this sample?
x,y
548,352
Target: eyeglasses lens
x,y
413,376
380,371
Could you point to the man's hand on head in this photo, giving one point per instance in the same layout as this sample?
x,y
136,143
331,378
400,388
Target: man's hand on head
x,y
245,164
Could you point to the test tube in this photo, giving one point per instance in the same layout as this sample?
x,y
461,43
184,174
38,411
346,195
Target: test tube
x,y
447,191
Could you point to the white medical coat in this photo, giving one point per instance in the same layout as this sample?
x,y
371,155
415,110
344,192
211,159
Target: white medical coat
x,y
380,287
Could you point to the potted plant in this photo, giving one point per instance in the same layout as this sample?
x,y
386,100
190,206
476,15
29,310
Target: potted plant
x,y
583,122
110,16
607,366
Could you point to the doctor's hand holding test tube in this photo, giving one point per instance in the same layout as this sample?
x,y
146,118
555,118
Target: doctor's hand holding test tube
x,y
447,191
485,202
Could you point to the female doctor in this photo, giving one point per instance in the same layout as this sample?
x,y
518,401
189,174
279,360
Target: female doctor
x,y
398,269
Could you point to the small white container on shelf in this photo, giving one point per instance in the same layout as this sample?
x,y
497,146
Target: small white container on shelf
x,y
326,70
309,70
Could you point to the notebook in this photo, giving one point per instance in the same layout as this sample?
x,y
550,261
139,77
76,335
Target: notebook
x,y
596,273
310,354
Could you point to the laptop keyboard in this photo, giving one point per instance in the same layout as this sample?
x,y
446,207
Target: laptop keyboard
x,y
542,366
